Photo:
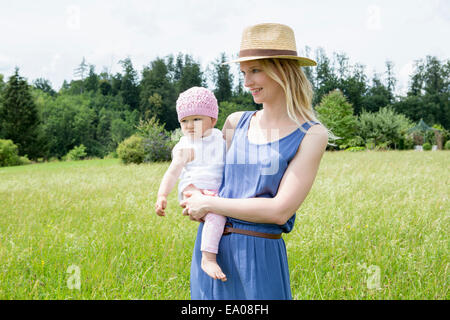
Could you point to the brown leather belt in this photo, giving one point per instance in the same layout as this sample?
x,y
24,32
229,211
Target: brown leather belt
x,y
229,229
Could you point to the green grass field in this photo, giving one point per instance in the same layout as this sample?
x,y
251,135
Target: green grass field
x,y
374,226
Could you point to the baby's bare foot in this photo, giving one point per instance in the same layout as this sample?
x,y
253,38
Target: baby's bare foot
x,y
210,266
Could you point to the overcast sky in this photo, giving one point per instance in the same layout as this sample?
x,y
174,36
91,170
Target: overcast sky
x,y
48,39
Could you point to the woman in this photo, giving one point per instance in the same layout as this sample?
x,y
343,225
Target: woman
x,y
272,160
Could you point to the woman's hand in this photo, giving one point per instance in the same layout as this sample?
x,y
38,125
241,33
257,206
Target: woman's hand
x,y
195,205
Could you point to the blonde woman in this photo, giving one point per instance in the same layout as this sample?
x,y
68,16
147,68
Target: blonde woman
x,y
272,159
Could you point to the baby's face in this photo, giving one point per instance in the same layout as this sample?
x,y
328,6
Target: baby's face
x,y
197,126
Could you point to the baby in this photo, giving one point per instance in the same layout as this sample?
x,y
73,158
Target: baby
x,y
198,160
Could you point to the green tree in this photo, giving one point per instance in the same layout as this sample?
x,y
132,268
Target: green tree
x,y
354,88
129,88
20,116
223,79
116,83
92,81
377,96
226,108
2,83
336,113
428,97
158,93
325,78
191,75
44,85
386,128
391,81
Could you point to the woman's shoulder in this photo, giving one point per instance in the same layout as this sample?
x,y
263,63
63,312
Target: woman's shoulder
x,y
318,129
315,138
233,119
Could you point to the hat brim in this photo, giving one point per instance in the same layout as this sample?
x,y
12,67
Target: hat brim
x,y
304,62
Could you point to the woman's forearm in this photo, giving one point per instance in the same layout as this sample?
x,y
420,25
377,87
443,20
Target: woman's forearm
x,y
258,210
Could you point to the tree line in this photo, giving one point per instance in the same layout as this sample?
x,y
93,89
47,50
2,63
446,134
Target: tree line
x,y
100,110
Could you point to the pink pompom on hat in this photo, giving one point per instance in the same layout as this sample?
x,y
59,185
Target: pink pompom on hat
x,y
197,101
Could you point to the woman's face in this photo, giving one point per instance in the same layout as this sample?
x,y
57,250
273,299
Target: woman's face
x,y
197,126
263,88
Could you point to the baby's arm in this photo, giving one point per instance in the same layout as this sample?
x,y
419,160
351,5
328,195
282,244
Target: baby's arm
x,y
180,158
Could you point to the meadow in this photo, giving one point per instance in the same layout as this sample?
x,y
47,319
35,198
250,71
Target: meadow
x,y
374,226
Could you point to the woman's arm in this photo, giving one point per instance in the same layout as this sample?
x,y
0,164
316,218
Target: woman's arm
x,y
294,187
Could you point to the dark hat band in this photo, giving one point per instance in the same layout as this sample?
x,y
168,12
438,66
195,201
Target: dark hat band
x,y
266,53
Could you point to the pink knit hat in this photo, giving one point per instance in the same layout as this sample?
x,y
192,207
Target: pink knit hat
x,y
197,101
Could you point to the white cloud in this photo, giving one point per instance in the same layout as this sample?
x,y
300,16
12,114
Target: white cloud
x,y
50,39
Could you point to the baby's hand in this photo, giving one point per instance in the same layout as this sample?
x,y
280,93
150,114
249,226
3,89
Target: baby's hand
x,y
160,206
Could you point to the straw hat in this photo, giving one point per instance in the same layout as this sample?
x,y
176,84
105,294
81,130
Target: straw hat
x,y
270,40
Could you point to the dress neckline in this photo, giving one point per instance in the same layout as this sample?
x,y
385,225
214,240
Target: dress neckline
x,y
270,142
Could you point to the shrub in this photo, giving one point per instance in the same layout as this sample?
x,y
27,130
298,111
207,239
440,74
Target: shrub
x,y
176,135
24,160
111,155
336,113
447,145
157,141
8,154
386,129
77,153
426,146
131,150
158,147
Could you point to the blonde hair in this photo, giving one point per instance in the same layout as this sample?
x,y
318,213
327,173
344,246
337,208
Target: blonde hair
x,y
297,88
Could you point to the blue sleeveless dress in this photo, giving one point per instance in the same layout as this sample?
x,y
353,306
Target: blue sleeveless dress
x,y
256,268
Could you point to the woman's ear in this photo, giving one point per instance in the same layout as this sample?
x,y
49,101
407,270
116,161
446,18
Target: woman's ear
x,y
213,122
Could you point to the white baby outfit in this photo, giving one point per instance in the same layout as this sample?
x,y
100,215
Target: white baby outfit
x,y
205,172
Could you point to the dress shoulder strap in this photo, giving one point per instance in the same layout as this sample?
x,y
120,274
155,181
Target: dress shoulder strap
x,y
245,118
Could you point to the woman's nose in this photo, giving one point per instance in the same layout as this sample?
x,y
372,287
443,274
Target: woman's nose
x,y
247,81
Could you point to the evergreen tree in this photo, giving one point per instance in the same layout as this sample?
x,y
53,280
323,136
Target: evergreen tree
x,y
378,96
44,85
428,97
390,80
129,88
104,82
2,83
435,76
325,78
20,116
116,83
416,82
81,73
336,113
222,79
92,82
191,75
158,94
307,70
354,88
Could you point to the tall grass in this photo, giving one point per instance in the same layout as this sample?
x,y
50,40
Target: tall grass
x,y
374,226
